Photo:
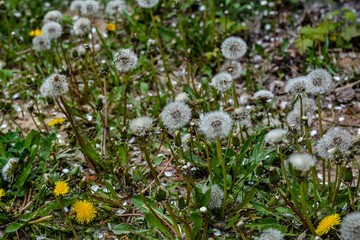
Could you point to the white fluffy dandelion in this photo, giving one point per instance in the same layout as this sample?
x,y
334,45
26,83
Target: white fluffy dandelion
x,y
350,226
263,95
147,3
90,7
215,125
233,68
309,106
52,30
54,86
271,234
222,81
319,81
182,97
115,7
294,120
296,85
176,115
216,196
241,116
9,169
82,26
76,5
233,48
41,43
302,161
141,126
125,60
276,136
337,138
53,16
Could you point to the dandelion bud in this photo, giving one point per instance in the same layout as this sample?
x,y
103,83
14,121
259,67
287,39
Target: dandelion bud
x,y
235,141
105,68
74,171
30,107
181,202
260,170
52,30
348,174
48,181
273,201
160,194
137,175
178,141
72,140
203,210
233,48
274,177
147,3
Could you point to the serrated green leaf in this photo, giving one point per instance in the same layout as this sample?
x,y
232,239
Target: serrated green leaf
x,y
14,227
302,44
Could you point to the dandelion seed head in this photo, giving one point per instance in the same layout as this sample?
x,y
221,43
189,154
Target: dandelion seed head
x,y
350,226
115,7
41,43
327,224
85,211
147,3
271,234
182,97
296,85
54,86
216,196
294,121
233,48
141,126
125,60
233,68
337,138
309,106
216,124
185,139
76,5
302,161
9,169
275,136
222,81
52,30
263,95
82,26
176,115
319,81
53,16
90,7
241,116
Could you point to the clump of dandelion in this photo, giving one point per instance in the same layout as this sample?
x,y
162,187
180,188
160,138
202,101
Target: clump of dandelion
x,y
90,7
182,97
241,116
350,226
233,68
2,193
233,48
147,3
276,136
61,188
53,16
125,60
85,211
294,120
54,86
141,126
52,30
271,234
319,81
76,5
216,196
41,43
337,138
115,7
327,224
222,81
302,161
215,125
263,95
82,26
9,169
176,115
296,85
309,106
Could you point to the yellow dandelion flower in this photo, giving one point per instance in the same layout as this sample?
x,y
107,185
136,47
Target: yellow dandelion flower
x,y
125,237
111,27
85,211
61,188
327,224
35,33
2,193
56,121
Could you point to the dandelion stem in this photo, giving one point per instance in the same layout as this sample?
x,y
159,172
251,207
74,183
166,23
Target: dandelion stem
x,y
162,55
213,21
236,102
338,184
321,134
220,157
32,117
155,80
351,199
303,203
125,98
208,159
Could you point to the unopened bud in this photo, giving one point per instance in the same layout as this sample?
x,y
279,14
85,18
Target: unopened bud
x,y
348,174
48,181
274,177
203,209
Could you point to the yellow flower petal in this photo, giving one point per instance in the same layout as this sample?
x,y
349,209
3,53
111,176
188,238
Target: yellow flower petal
x,y
85,211
56,121
61,188
327,224
111,27
2,193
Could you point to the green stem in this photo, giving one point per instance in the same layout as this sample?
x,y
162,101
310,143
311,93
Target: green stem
x,y
220,157
236,102
155,80
351,199
125,98
338,185
208,159
303,204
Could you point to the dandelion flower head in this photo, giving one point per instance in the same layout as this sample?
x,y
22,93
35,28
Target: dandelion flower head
x,y
302,161
2,193
350,226
35,33
141,126
52,30
327,224
111,27
125,60
82,26
309,106
89,7
85,211
222,81
9,169
56,121
147,3
182,97
294,120
115,7
233,48
61,188
176,115
276,136
233,68
263,95
241,116
271,234
53,16
54,86
337,138
216,196
296,85
41,43
76,5
319,81
215,125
